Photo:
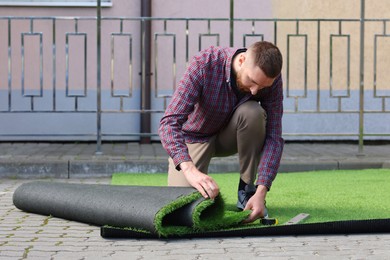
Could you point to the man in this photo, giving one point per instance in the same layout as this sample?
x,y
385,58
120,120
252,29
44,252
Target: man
x,y
228,101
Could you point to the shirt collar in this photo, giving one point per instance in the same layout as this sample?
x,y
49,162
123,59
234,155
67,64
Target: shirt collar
x,y
229,64
232,77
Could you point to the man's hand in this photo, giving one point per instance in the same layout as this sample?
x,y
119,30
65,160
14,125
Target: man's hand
x,y
257,204
200,181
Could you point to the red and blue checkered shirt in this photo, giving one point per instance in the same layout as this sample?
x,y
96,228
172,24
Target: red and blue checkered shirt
x,y
204,102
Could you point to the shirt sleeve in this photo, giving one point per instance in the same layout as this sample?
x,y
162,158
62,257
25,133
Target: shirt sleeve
x,y
182,104
272,102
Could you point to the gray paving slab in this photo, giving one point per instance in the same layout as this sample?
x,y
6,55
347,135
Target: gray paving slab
x,y
30,236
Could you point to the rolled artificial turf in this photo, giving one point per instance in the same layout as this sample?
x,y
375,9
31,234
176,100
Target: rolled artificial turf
x,y
153,210
142,206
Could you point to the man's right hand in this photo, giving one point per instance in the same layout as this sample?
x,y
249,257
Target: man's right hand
x,y
200,181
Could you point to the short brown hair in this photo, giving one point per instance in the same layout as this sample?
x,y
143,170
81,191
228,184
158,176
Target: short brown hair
x,y
268,57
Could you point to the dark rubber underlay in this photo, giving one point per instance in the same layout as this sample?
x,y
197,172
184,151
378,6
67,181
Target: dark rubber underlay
x,y
326,228
119,206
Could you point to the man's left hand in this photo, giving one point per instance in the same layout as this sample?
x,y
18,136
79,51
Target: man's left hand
x,y
256,204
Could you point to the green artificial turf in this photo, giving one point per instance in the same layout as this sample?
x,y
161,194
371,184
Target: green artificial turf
x,y
325,195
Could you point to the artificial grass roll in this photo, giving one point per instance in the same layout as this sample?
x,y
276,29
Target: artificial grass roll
x,y
337,201
157,210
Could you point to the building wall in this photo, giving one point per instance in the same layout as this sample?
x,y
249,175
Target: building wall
x,y
309,85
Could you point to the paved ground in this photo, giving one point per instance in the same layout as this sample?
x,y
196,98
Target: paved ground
x,y
30,236
79,160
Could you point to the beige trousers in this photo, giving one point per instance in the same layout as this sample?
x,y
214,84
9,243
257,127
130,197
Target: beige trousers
x,y
244,134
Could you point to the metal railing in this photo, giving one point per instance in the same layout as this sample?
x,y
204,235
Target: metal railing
x,y
311,70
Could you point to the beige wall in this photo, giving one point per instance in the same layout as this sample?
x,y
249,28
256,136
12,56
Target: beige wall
x,y
330,9
342,9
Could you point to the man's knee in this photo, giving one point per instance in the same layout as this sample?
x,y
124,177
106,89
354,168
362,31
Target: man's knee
x,y
251,112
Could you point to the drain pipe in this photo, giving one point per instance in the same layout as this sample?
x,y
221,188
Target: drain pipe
x,y
146,11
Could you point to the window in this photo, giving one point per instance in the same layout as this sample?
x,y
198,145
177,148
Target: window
x,y
70,3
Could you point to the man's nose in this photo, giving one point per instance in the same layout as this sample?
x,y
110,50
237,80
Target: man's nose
x,y
253,90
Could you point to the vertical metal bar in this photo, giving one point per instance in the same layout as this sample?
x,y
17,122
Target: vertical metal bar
x,y
174,63
23,69
31,31
288,67
318,65
41,64
54,64
156,61
112,64
275,32
98,82
305,72
349,65
187,41
331,66
361,88
85,63
66,65
9,67
146,28
340,28
383,98
76,25
231,23
76,98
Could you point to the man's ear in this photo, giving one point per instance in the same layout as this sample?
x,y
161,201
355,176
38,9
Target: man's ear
x,y
241,58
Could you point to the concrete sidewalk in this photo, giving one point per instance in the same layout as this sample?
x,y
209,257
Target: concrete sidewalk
x,y
79,160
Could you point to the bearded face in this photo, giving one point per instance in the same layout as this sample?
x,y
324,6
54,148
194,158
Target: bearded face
x,y
249,77
240,84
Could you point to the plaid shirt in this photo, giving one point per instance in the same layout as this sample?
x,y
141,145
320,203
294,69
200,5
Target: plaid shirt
x,y
203,104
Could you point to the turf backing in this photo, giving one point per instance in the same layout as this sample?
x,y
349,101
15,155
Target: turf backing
x,y
325,195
